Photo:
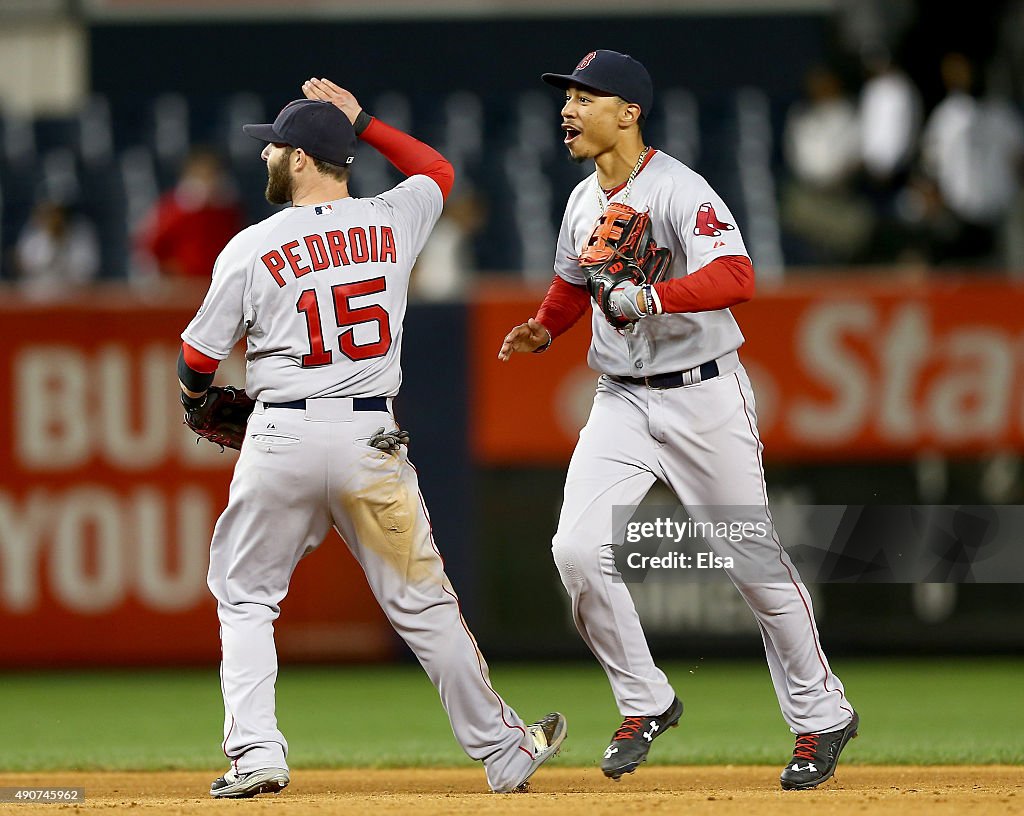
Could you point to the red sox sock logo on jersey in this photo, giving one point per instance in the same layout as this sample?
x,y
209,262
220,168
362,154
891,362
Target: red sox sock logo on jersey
x,y
708,223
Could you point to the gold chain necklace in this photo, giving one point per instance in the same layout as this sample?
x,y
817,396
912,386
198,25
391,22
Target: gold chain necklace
x,y
602,201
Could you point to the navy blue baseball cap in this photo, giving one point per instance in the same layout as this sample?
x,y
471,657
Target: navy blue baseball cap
x,y
321,129
612,73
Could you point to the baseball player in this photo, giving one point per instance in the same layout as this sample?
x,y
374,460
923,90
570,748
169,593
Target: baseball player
x,y
673,404
319,292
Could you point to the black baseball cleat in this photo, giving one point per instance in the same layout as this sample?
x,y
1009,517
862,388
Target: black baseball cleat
x,y
243,786
631,743
815,757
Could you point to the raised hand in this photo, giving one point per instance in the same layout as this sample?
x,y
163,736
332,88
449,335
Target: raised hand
x,y
327,91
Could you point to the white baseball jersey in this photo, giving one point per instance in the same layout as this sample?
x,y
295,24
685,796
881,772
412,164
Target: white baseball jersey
x,y
690,219
320,292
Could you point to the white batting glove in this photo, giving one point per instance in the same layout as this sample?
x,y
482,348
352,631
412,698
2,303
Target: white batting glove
x,y
634,302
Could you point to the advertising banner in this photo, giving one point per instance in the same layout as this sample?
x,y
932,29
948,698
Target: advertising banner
x,y
107,504
843,369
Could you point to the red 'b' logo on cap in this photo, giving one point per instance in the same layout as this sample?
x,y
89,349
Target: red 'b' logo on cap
x,y
586,61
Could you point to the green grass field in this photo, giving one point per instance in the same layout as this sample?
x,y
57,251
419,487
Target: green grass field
x,y
959,711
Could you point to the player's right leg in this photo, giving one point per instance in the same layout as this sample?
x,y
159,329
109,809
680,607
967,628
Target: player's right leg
x,y
275,514
612,467
379,512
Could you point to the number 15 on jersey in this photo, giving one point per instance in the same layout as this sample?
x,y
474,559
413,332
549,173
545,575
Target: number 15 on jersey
x,y
346,317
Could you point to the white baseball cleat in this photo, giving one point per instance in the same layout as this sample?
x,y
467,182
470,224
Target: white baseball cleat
x,y
235,785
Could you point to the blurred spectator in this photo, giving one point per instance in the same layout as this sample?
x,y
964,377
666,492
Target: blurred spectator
x,y
57,249
890,120
822,151
190,224
447,262
973,156
890,127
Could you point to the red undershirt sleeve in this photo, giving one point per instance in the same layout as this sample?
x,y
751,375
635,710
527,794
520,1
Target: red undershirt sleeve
x,y
563,305
411,156
722,283
198,361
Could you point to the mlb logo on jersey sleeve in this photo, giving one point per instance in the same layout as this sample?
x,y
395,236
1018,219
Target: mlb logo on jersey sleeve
x,y
323,209
708,223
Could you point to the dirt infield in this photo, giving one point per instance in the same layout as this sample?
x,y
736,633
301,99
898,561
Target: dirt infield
x,y
752,791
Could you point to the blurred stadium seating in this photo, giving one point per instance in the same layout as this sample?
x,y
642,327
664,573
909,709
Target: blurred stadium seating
x,y
112,160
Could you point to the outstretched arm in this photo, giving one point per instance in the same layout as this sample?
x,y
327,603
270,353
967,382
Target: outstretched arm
x,y
410,155
563,305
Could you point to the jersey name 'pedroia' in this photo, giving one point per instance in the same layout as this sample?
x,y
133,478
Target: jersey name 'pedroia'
x,y
332,248
320,292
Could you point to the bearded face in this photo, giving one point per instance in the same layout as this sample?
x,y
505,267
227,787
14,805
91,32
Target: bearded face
x,y
279,177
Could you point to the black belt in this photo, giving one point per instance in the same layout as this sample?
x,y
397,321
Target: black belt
x,y
675,379
358,404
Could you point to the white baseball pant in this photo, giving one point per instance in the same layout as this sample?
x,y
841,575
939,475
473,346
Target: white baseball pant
x,y
701,441
300,472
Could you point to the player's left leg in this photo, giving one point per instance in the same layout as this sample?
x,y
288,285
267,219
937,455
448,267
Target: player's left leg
x,y
379,512
713,463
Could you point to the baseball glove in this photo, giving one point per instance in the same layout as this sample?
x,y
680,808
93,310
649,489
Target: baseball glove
x,y
621,253
221,417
